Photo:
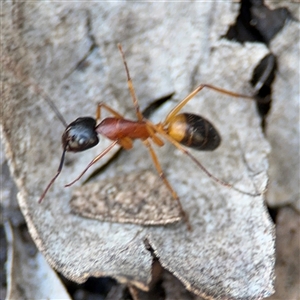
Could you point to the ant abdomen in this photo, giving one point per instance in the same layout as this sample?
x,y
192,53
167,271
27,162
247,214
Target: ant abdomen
x,y
194,131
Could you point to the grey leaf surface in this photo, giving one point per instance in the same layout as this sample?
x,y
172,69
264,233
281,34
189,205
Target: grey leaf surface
x,y
28,273
283,122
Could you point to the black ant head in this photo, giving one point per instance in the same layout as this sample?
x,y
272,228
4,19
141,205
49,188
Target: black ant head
x,y
80,135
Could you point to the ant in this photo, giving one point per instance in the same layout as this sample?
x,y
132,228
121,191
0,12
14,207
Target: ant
x,y
180,129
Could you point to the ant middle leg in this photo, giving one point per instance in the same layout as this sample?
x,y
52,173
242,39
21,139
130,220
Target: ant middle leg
x,y
166,182
158,141
131,88
183,102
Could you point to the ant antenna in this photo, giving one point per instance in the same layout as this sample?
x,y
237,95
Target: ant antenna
x,y
53,107
28,83
56,175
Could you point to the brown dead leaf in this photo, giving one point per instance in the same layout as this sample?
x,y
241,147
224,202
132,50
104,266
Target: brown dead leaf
x,y
119,200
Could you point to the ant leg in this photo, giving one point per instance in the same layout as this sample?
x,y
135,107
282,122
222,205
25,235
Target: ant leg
x,y
181,104
159,142
99,156
126,143
197,162
109,109
166,182
130,87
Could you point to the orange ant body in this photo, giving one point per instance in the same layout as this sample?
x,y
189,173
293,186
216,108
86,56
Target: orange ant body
x,y
185,129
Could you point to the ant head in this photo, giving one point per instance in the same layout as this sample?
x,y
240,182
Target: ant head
x,y
80,135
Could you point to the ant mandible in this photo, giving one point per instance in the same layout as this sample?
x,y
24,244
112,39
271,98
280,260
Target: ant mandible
x,y
185,129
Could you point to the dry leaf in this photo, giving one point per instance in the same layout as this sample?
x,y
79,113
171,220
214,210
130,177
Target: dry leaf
x,y
70,50
121,199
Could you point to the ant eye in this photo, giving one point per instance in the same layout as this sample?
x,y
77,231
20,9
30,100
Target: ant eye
x,y
82,141
77,140
80,135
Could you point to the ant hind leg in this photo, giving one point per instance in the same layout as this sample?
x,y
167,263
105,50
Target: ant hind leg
x,y
183,102
197,162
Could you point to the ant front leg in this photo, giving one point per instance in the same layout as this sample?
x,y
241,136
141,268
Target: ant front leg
x,y
109,109
97,158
